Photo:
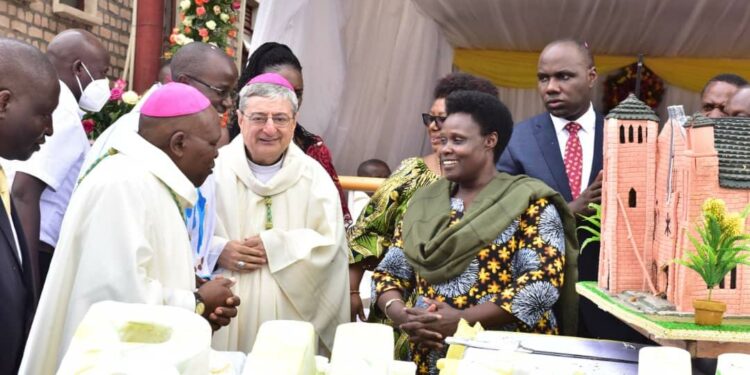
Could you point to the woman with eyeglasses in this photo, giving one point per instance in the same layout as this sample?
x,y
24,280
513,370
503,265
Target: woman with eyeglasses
x,y
272,57
372,233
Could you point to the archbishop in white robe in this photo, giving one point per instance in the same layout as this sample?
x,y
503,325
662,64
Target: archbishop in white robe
x,y
123,238
306,277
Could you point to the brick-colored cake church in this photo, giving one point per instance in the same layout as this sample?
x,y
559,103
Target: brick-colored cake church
x,y
653,188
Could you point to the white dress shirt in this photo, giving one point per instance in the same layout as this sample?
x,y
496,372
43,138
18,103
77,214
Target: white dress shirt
x,y
586,135
57,164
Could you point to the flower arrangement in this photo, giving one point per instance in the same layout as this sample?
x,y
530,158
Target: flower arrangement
x,y
722,245
120,102
209,21
618,86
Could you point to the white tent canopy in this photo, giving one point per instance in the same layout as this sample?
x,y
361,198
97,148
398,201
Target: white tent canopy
x,y
370,65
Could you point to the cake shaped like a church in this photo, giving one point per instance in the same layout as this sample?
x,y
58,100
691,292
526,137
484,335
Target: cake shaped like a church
x,y
653,187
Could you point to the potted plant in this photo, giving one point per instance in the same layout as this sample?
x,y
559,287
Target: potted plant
x,y
721,247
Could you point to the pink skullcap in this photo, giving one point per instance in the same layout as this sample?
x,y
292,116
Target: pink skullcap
x,y
272,78
174,100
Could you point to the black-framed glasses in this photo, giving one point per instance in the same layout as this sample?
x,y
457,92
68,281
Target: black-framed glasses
x,y
427,119
223,93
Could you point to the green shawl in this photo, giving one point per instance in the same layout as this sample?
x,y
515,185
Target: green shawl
x,y
439,252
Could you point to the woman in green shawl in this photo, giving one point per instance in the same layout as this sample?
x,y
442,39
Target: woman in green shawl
x,y
479,245
372,233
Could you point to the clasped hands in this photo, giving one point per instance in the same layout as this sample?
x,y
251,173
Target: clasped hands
x,y
427,327
243,256
221,304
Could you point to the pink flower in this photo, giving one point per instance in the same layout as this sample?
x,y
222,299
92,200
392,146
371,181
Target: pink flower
x,y
200,11
236,5
121,83
116,93
88,125
203,32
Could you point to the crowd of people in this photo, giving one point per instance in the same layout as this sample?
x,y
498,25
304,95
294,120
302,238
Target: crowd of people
x,y
249,223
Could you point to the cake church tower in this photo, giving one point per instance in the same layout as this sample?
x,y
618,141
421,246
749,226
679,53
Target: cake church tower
x,y
628,196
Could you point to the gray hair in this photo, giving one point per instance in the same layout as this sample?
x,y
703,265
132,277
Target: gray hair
x,y
268,91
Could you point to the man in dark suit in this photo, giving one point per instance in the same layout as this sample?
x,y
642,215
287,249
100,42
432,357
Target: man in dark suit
x,y
563,148
28,94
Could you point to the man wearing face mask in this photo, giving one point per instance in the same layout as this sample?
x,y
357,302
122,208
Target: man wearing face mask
x,y
43,184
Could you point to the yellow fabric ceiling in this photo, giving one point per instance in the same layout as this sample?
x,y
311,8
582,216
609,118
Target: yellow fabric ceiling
x,y
518,69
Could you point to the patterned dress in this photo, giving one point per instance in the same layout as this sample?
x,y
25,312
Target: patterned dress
x,y
373,231
521,271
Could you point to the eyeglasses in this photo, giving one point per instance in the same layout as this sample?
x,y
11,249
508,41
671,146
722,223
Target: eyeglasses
x,y
261,119
427,119
223,93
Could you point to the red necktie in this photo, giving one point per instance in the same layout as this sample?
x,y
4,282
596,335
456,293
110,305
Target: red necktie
x,y
574,158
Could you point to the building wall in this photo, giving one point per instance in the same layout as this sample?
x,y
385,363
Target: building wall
x,y
35,23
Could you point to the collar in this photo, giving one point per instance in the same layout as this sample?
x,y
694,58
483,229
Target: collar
x,y
292,168
157,163
587,121
68,100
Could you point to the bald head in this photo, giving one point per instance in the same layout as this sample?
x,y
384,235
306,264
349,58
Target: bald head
x,y
739,104
28,94
77,53
189,67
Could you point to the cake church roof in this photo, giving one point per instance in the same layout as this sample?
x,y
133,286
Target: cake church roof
x,y
632,109
732,143
698,120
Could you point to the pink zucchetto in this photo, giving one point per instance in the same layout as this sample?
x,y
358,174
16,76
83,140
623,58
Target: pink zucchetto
x,y
174,100
272,78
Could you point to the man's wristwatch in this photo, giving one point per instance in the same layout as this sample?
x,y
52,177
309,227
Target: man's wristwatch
x,y
200,307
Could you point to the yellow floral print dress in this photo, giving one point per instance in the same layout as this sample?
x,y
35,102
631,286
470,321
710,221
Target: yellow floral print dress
x,y
521,271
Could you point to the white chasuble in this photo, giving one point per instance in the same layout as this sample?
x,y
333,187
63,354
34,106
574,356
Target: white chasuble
x,y
123,238
306,277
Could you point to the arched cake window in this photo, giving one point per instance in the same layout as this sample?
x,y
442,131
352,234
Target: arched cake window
x,y
632,198
622,133
630,134
640,134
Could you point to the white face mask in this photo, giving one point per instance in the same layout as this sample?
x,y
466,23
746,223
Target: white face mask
x,y
96,94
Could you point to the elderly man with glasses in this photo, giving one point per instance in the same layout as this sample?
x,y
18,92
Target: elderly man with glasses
x,y
281,214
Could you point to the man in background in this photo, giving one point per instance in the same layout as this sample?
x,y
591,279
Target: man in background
x,y
717,92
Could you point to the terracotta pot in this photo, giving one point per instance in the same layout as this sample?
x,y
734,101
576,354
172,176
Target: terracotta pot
x,y
709,313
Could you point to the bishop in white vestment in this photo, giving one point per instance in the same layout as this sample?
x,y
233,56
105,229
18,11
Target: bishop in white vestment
x,y
269,191
123,237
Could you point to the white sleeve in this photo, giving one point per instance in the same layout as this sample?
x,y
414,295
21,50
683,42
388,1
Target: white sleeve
x,y
60,152
115,245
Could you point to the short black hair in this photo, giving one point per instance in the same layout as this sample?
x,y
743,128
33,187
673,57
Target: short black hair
x,y
487,111
581,47
730,78
463,81
362,170
268,55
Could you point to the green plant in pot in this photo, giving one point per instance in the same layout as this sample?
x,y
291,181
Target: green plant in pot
x,y
722,246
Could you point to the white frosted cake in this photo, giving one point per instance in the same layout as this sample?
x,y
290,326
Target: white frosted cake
x,y
124,338
283,347
349,356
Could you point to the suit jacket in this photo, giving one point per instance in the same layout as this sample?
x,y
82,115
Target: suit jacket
x,y
17,294
534,151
